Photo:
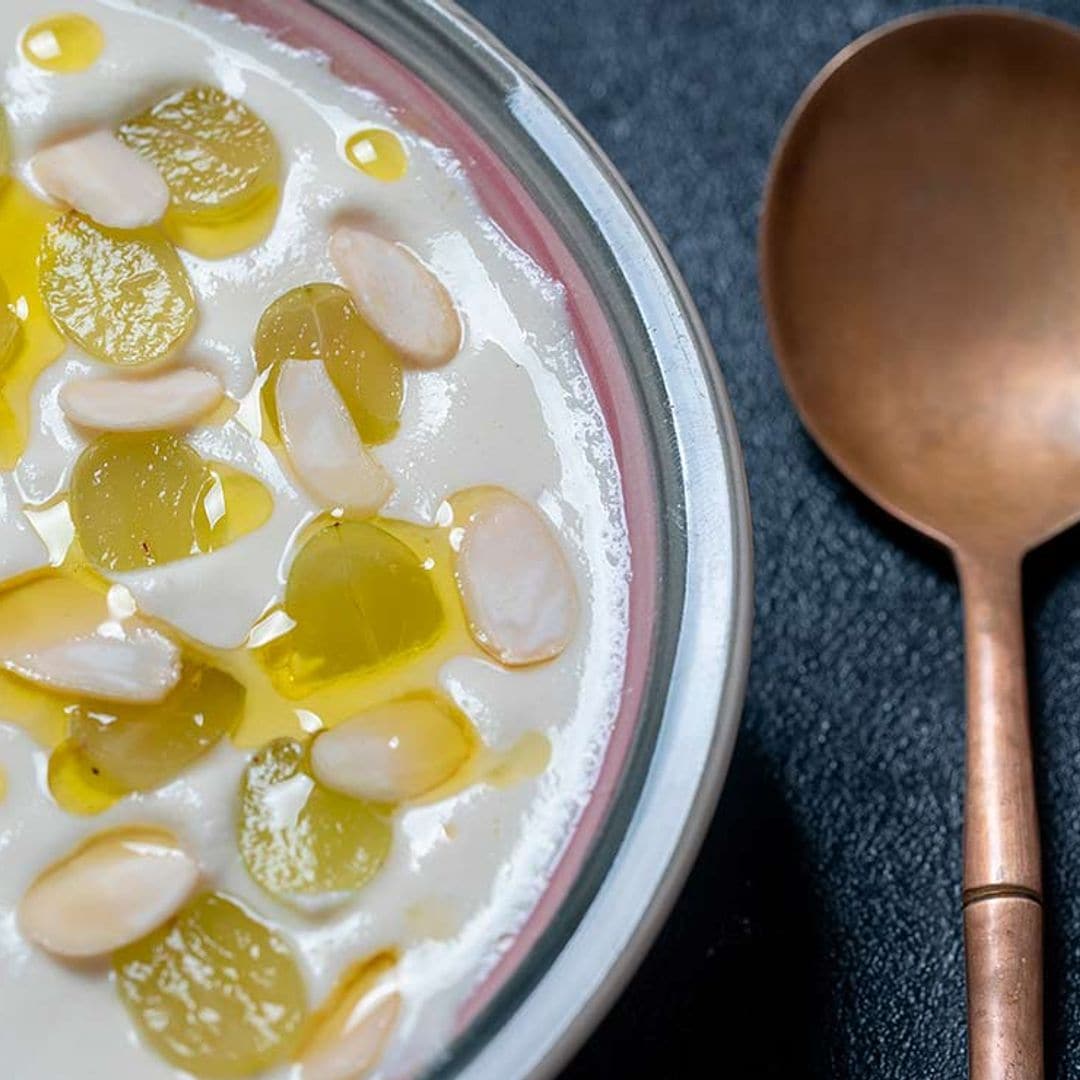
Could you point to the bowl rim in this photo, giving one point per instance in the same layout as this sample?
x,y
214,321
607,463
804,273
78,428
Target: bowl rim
x,y
654,840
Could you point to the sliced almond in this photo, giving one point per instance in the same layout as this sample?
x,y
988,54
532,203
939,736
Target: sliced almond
x,y
515,582
392,752
110,891
323,443
352,1039
46,610
104,179
138,666
171,399
405,302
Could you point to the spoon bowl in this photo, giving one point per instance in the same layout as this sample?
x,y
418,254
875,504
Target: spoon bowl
x,y
920,266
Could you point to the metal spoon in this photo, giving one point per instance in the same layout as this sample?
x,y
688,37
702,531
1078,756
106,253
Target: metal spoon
x,y
920,263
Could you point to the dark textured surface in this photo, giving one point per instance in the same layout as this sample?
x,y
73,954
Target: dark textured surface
x,y
819,935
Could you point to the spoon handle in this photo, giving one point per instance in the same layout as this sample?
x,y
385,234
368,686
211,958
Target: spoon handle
x,y
1002,876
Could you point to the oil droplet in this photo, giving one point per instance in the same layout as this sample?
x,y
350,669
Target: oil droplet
x,y
3,783
379,153
63,43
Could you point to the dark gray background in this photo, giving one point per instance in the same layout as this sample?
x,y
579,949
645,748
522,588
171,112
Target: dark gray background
x,y
819,935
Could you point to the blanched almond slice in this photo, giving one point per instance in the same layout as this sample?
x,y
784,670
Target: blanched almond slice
x,y
515,583
173,399
110,891
140,666
391,752
398,295
323,444
350,1042
104,179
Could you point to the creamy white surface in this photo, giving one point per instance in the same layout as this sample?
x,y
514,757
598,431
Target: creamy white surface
x,y
514,409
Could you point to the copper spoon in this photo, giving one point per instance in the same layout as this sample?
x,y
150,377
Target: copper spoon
x,y
920,263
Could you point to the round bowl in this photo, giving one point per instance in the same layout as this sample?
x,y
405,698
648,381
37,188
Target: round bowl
x,y
553,192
